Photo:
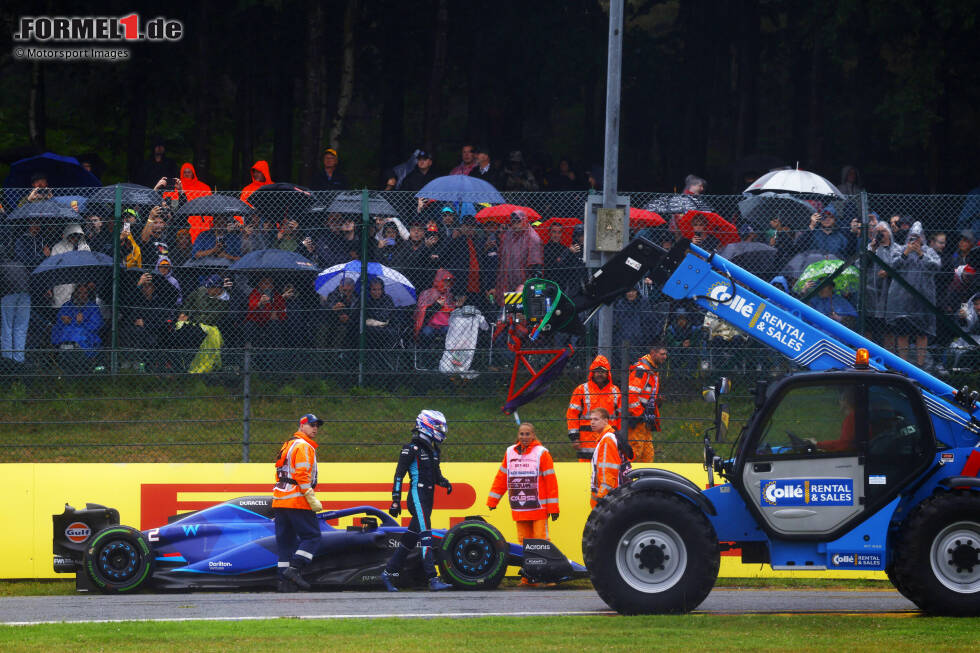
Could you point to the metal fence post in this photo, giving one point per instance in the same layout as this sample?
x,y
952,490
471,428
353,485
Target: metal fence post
x,y
246,401
362,333
863,262
114,329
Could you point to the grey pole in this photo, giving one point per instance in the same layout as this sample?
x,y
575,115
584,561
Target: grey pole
x,y
610,171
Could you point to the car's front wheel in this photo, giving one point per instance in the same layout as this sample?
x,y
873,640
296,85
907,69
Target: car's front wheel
x,y
473,555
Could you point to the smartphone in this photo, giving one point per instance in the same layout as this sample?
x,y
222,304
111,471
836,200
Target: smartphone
x,y
125,227
171,183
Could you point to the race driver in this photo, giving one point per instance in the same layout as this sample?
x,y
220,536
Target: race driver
x,y
420,460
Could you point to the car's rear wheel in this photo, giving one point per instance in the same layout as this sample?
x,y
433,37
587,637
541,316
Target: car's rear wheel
x,y
118,559
473,555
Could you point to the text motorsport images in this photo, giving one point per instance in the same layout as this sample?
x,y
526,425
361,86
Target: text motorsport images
x,y
35,34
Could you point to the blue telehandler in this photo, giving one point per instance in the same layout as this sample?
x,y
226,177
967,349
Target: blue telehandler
x,y
861,461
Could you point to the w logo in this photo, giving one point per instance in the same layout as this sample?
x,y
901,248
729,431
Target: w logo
x,y
190,529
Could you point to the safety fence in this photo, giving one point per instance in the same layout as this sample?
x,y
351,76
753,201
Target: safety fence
x,y
145,327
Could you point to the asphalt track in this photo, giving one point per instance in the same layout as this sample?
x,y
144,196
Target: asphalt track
x,y
346,605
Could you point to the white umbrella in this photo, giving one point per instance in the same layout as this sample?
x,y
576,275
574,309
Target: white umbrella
x,y
802,182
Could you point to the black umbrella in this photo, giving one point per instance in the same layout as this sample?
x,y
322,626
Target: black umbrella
x,y
794,267
351,203
281,201
206,262
758,258
214,205
75,266
46,212
61,172
677,204
131,195
273,260
792,211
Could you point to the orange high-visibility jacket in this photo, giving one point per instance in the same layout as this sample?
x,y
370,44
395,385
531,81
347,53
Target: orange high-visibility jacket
x,y
529,477
644,388
588,397
297,461
606,465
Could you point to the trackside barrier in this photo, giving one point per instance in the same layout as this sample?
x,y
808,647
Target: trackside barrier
x,y
147,493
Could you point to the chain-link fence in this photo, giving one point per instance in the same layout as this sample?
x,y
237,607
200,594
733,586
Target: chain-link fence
x,y
141,327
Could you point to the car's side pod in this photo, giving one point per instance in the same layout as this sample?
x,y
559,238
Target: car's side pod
x,y
661,479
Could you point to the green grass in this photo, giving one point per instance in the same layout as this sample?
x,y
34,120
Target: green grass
x,y
494,634
144,418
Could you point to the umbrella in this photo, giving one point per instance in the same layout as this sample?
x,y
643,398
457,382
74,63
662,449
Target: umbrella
x,y
207,262
794,267
351,203
567,225
460,188
281,200
214,205
62,172
397,286
792,211
845,282
676,204
66,200
756,257
131,195
718,227
274,260
801,182
641,219
46,212
501,213
72,267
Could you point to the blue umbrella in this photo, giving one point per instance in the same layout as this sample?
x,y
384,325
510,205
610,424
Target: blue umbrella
x,y
274,260
460,188
74,266
399,288
61,171
132,195
46,212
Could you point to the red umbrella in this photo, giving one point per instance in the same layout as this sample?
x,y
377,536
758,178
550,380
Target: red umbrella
x,y
641,218
567,225
501,213
719,227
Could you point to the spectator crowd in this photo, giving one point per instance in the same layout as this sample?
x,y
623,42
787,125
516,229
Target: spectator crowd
x,y
182,305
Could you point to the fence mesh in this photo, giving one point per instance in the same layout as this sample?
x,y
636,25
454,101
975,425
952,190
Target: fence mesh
x,y
140,327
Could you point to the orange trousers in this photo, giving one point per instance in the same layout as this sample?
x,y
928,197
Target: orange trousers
x,y
536,529
641,441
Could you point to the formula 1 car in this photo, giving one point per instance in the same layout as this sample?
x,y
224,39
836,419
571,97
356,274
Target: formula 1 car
x,y
232,545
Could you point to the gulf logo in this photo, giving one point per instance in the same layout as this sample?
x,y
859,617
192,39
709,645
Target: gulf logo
x,y
78,532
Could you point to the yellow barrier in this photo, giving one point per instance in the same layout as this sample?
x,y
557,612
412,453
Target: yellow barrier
x,y
146,494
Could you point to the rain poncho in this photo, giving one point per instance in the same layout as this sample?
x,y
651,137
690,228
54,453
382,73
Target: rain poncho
x,y
520,249
919,272
263,167
877,284
465,325
427,302
62,292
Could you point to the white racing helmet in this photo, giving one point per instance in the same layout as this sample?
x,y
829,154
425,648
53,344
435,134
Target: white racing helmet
x,y
431,423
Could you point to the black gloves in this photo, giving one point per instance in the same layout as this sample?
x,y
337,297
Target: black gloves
x,y
446,484
554,516
395,509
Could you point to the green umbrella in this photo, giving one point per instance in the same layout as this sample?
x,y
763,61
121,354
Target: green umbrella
x,y
845,282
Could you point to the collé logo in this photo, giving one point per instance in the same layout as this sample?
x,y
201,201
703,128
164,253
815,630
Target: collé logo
x,y
815,492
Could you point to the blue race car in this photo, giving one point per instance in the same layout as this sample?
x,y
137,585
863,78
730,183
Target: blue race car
x,y
232,545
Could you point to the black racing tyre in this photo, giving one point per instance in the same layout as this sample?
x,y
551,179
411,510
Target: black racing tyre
x,y
473,556
650,552
119,559
937,555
